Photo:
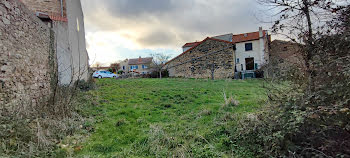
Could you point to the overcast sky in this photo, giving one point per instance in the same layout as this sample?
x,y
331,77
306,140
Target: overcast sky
x,y
120,29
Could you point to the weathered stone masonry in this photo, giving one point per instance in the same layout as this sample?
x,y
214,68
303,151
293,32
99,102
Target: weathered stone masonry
x,y
24,56
201,68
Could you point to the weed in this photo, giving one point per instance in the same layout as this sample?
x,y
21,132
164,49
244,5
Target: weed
x,y
230,101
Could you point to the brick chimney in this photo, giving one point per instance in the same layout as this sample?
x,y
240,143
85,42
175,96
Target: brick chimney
x,y
140,59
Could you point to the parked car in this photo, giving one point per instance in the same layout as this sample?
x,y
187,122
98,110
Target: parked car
x,y
104,74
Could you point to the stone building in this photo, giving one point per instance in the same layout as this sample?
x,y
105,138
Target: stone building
x,y
249,54
25,57
210,58
66,19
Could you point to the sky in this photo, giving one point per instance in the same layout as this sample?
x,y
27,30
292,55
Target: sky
x,y
120,29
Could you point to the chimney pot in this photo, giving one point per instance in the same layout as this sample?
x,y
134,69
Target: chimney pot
x,y
261,32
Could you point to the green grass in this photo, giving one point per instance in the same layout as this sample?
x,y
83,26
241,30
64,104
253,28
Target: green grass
x,y
169,117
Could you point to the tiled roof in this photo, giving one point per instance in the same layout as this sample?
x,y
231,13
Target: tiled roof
x,y
138,61
246,37
58,18
190,44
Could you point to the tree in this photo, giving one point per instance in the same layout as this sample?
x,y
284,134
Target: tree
x,y
115,66
303,20
159,59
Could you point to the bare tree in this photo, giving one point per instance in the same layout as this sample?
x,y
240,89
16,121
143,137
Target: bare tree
x,y
303,20
159,59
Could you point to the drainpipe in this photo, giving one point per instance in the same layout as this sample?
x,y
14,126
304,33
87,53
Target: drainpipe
x,y
62,8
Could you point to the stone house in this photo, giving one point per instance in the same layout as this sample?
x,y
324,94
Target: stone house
x,y
137,65
66,19
241,53
200,61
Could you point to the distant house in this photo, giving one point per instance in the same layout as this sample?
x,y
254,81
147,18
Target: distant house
x,y
223,56
137,65
124,65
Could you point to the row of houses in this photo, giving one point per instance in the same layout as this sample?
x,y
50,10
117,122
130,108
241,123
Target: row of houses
x,y
222,56
136,65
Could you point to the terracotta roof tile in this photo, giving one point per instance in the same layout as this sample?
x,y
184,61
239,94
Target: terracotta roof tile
x,y
58,18
246,37
190,44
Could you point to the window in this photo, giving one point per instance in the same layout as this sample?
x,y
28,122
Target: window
x,y
256,66
144,67
237,60
123,67
248,46
136,67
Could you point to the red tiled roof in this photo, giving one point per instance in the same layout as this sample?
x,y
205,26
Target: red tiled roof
x,y
197,44
58,18
138,61
190,44
246,37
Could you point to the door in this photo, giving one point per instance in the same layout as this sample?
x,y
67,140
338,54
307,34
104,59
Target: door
x,y
249,63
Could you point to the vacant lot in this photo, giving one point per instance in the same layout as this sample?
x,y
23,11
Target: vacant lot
x,y
169,117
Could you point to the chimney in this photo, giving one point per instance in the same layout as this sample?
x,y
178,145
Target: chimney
x,y
261,35
140,59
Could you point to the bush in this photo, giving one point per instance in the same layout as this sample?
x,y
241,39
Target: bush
x,y
155,74
306,119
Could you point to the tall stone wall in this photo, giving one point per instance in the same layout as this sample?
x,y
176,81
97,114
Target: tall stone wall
x,y
201,68
25,46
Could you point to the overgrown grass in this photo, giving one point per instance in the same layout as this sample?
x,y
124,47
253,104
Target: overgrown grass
x,y
169,117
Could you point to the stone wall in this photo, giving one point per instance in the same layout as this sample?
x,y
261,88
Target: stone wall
x,y
201,68
284,57
24,56
51,7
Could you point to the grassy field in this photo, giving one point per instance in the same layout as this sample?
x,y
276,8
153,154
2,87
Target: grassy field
x,y
169,117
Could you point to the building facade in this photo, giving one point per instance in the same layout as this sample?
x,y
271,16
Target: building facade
x,y
66,19
137,65
249,53
210,58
